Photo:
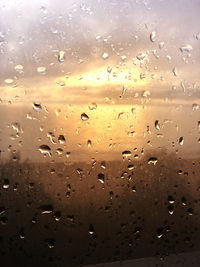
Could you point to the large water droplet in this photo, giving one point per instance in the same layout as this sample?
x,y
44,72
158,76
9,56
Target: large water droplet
x,y
45,150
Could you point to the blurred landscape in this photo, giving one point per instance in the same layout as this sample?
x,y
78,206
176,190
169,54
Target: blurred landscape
x,y
100,212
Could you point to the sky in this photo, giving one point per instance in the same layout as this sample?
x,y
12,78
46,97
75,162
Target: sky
x,y
121,55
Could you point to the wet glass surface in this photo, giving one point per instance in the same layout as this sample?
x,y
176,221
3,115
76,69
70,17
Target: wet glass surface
x,y
99,132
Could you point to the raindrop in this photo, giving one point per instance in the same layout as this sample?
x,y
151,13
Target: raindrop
x,y
186,48
159,233
37,106
123,58
46,209
161,45
175,71
171,199
195,107
6,183
130,167
84,117
9,81
101,178
89,143
91,229
171,209
152,160
61,139
140,56
105,56
181,140
41,70
126,153
61,56
153,36
19,68
157,125
50,242
45,150
146,93
92,106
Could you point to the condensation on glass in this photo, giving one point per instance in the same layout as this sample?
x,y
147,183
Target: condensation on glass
x,y
99,131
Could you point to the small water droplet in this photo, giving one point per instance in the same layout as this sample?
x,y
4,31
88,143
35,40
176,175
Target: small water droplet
x,y
41,70
140,56
91,229
37,106
9,81
126,153
6,183
19,68
61,56
92,106
181,140
84,117
161,45
171,209
157,125
46,209
146,93
101,178
152,160
61,139
186,48
89,143
153,36
105,56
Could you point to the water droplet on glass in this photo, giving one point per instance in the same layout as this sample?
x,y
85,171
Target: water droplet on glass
x,y
84,117
186,48
153,36
126,153
152,160
105,56
46,209
92,106
89,143
181,140
146,93
171,209
171,199
91,229
195,107
61,56
9,81
41,70
61,139
19,68
37,106
140,56
161,45
157,125
101,178
6,183
45,150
